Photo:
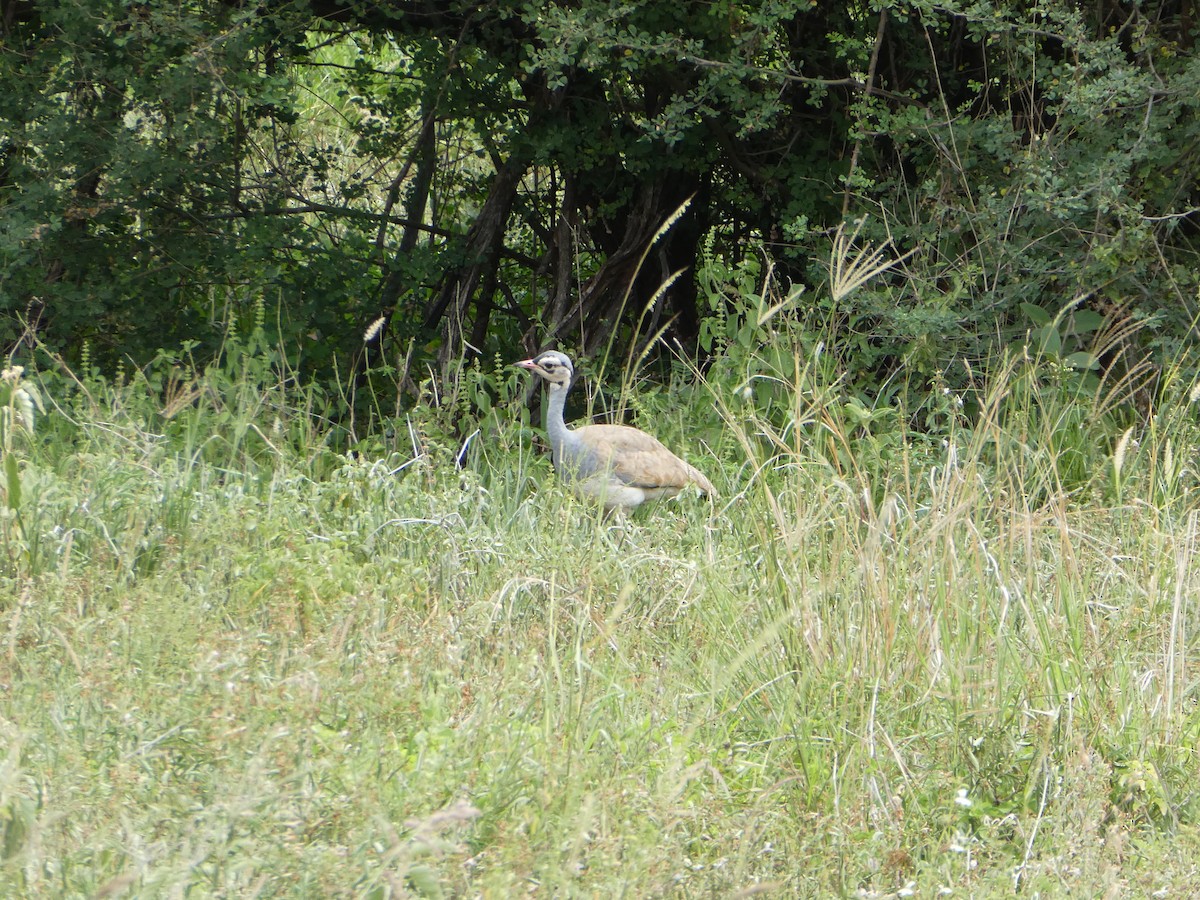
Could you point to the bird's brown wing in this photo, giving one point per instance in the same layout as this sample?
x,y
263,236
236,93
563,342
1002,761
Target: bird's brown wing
x,y
640,459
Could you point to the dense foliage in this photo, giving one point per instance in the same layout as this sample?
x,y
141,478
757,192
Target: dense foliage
x,y
236,663
488,174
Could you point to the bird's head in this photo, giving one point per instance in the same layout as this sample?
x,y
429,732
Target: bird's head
x,y
553,367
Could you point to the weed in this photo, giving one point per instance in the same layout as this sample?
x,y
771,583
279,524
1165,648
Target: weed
x,y
911,651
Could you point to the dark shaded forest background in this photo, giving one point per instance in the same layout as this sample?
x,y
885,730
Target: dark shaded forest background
x,y
490,176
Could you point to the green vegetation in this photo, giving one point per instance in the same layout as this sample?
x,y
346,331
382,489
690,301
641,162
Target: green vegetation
x,y
237,663
287,610
485,175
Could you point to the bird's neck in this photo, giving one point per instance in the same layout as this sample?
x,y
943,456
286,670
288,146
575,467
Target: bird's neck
x,y
556,427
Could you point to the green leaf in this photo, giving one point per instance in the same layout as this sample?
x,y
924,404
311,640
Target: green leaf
x,y
859,413
425,881
1082,360
1086,321
1047,340
13,478
1036,314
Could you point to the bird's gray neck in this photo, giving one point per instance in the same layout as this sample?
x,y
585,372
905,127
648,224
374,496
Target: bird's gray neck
x,y
560,436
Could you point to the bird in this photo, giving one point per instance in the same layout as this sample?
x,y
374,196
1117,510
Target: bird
x,y
620,466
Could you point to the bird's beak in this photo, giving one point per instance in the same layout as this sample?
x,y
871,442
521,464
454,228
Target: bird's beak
x,y
526,364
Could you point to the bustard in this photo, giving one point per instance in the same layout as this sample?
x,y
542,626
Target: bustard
x,y
620,466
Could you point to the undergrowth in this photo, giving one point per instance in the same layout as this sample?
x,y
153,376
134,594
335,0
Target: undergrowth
x,y
939,650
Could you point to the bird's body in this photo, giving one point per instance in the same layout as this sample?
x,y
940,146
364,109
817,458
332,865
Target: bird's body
x,y
620,466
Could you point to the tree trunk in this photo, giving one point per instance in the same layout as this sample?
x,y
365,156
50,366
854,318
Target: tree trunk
x,y
481,254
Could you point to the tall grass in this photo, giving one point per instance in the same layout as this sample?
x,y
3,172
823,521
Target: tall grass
x,y
235,662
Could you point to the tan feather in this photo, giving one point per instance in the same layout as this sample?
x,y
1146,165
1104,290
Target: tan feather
x,y
641,460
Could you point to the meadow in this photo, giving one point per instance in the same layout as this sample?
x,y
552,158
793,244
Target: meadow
x,y
951,658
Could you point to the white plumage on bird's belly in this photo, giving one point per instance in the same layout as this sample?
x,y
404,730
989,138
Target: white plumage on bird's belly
x,y
622,467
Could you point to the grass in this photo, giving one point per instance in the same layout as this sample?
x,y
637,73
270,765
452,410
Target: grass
x,y
236,663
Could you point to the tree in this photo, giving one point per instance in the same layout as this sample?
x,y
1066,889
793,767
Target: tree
x,y
488,174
